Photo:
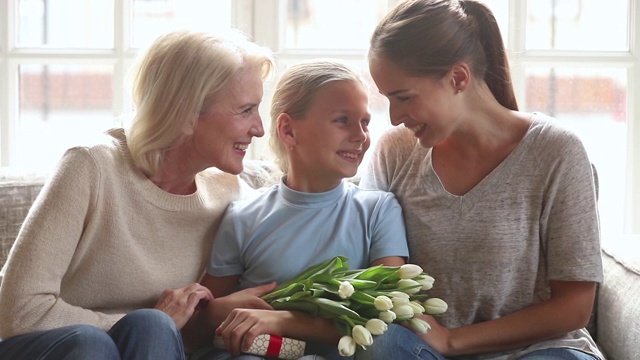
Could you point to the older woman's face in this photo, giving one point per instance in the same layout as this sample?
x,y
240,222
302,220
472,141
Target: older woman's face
x,y
223,133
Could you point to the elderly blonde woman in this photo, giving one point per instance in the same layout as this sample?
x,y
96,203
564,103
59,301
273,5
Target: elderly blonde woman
x,y
107,263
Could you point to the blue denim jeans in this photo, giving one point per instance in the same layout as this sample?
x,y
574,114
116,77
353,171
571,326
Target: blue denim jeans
x,y
558,354
400,343
141,334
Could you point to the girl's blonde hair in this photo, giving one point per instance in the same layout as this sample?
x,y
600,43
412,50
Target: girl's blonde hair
x,y
295,92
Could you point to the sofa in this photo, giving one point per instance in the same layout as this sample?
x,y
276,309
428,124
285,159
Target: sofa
x,y
616,319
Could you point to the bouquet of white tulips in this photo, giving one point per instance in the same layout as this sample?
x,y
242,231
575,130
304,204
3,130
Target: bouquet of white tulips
x,y
360,302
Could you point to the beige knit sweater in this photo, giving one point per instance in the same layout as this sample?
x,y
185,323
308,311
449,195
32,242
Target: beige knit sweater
x,y
102,240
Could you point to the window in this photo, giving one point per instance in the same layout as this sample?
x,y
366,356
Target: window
x,y
62,67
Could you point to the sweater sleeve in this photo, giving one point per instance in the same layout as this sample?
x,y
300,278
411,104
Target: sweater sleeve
x,y
30,291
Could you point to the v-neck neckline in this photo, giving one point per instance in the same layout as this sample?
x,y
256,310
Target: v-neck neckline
x,y
488,182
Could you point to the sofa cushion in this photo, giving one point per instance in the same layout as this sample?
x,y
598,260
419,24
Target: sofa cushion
x,y
16,199
619,301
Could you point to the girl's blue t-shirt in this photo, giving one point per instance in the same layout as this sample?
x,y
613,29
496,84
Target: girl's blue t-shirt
x,y
278,234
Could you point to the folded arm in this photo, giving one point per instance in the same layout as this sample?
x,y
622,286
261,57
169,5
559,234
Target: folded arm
x,y
569,308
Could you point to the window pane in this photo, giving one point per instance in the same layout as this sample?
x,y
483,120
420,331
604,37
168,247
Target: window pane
x,y
592,103
65,23
590,25
61,106
318,24
154,17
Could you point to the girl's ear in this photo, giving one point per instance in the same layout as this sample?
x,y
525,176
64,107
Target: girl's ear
x,y
461,76
285,130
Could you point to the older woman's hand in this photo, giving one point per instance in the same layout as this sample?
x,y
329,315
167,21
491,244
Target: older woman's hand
x,y
182,303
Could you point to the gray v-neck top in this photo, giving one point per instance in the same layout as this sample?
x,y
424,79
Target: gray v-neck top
x,y
494,249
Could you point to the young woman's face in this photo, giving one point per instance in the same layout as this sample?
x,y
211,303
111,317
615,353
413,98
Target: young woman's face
x,y
424,105
332,138
223,133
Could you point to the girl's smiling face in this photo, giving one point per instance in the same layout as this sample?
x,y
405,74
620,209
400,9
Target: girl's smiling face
x,y
329,142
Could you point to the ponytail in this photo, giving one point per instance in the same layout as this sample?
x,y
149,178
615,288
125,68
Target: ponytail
x,y
427,37
497,75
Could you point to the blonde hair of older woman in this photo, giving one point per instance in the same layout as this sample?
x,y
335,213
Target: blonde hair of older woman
x,y
178,77
295,91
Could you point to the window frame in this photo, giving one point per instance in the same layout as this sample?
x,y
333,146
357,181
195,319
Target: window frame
x,y
263,21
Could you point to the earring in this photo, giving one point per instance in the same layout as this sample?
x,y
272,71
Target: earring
x,y
455,86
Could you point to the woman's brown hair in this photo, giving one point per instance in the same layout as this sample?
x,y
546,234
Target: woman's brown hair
x,y
427,37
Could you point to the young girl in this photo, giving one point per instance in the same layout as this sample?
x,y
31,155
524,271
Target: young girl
x,y
320,134
500,205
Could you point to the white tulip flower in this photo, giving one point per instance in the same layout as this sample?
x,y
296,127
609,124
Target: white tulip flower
x,y
435,306
419,325
409,271
382,303
426,281
376,326
346,290
417,308
399,298
399,294
406,283
403,312
387,316
346,346
362,336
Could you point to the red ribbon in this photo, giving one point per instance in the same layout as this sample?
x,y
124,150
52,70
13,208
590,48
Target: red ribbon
x,y
275,344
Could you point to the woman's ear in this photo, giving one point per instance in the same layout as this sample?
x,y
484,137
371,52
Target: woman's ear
x,y
285,130
461,76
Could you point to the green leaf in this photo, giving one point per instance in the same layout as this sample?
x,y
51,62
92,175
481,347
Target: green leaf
x,y
300,305
377,273
363,284
343,327
363,298
331,288
320,270
283,292
333,307
304,281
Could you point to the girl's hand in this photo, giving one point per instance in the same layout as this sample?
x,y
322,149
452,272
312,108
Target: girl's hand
x,y
242,326
182,303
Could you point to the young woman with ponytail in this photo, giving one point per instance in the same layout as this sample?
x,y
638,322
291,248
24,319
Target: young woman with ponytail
x,y
500,205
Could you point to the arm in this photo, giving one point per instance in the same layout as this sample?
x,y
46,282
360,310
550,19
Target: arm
x,y
389,261
242,326
44,249
200,329
569,308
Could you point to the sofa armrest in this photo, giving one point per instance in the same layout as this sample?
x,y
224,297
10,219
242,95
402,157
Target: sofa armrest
x,y
618,321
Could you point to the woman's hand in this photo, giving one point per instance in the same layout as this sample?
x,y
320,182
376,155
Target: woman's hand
x,y
437,336
182,303
242,326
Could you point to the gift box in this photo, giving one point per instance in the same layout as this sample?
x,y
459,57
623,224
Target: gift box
x,y
272,346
